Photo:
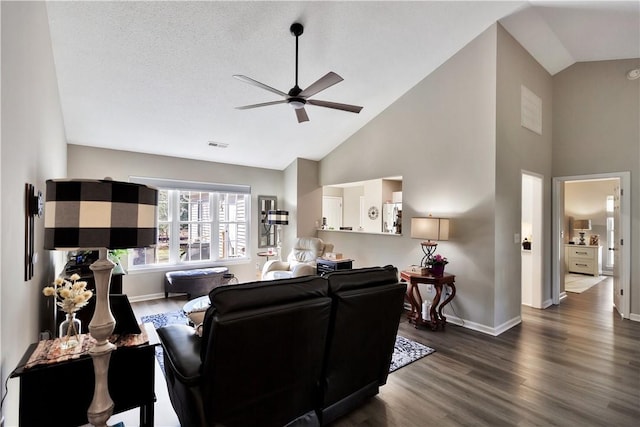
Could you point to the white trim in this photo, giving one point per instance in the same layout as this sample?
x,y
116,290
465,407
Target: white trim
x,y
634,317
174,184
625,220
484,328
155,268
148,297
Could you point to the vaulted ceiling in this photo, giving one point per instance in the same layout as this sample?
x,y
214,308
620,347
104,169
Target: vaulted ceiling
x,y
156,77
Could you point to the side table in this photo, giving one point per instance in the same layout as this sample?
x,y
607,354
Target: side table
x,y
267,255
324,266
437,319
60,393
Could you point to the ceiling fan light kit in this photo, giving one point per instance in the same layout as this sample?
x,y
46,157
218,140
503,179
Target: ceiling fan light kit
x,y
296,97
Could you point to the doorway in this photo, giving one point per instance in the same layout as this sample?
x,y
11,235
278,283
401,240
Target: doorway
x,y
531,232
332,212
595,223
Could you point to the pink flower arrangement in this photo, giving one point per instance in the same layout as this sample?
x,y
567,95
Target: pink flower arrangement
x,y
438,260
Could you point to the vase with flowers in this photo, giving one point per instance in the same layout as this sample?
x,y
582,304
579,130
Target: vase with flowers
x,y
71,295
436,265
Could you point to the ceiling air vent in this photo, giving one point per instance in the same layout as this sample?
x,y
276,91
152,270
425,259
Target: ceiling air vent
x,y
218,144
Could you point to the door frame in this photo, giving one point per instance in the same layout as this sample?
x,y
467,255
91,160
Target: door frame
x,y
557,250
537,247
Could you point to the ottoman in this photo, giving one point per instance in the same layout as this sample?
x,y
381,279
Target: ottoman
x,y
194,283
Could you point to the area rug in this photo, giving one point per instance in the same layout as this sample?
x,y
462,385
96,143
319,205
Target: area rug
x,y
578,283
406,351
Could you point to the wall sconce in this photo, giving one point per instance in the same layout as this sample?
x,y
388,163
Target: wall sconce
x,y
582,225
100,214
278,218
432,229
34,205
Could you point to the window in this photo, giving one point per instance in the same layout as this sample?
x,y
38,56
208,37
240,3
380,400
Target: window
x,y
608,262
197,223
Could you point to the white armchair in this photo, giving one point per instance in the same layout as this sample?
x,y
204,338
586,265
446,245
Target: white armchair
x,y
301,261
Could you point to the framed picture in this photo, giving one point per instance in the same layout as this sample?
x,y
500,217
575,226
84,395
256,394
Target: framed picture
x,y
594,240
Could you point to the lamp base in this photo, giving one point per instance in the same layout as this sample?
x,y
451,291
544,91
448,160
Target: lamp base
x,y
581,233
428,248
101,328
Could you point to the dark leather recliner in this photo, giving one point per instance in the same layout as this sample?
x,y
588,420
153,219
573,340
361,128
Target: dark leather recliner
x,y
259,359
300,351
367,305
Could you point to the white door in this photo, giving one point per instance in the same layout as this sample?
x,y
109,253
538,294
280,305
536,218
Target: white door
x,y
615,247
531,228
332,210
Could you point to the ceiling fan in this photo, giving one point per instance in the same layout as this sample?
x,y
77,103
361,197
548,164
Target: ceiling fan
x,y
297,97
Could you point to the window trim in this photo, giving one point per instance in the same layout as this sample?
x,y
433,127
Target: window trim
x,y
177,186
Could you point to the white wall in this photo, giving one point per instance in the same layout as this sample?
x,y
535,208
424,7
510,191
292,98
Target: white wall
x,y
88,162
33,150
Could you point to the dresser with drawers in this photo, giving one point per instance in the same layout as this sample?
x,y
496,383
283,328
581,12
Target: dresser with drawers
x,y
584,259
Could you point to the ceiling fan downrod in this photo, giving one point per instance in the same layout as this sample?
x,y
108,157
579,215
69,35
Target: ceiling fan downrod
x,y
296,30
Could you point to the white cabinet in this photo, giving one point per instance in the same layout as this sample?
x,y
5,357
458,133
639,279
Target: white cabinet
x,y
584,259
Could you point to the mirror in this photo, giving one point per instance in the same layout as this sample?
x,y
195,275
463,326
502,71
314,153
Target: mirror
x,y
373,206
266,233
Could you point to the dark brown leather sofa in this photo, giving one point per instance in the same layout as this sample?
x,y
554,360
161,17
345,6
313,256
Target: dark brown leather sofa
x,y
295,352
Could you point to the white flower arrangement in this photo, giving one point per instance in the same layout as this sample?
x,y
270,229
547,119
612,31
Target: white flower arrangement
x,y
71,295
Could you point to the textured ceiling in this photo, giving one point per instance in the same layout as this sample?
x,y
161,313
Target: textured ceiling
x,y
156,77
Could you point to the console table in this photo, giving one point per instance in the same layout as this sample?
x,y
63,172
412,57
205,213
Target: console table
x,y
437,319
60,393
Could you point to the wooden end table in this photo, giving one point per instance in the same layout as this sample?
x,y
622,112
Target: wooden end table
x,y
437,319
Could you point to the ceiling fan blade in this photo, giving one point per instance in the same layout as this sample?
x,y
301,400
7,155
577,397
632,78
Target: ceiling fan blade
x,y
263,104
321,84
301,113
257,83
335,105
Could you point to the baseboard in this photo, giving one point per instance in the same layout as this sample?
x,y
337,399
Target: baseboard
x,y
634,317
484,328
548,303
563,295
147,297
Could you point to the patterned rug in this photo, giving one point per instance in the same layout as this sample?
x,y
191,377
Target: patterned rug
x,y
406,351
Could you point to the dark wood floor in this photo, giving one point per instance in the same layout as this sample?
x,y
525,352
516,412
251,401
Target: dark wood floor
x,y
576,364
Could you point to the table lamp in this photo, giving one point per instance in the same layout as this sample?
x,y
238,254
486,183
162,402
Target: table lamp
x,y
102,215
278,218
432,229
582,225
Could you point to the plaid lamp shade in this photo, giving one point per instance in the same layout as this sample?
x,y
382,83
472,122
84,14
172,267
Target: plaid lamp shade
x,y
99,214
277,217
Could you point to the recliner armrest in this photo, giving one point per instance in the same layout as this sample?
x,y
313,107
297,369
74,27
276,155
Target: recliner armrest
x,y
275,264
182,350
303,269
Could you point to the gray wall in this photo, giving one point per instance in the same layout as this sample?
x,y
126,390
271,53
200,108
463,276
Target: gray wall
x,y
33,150
88,162
596,129
457,141
519,149
441,138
